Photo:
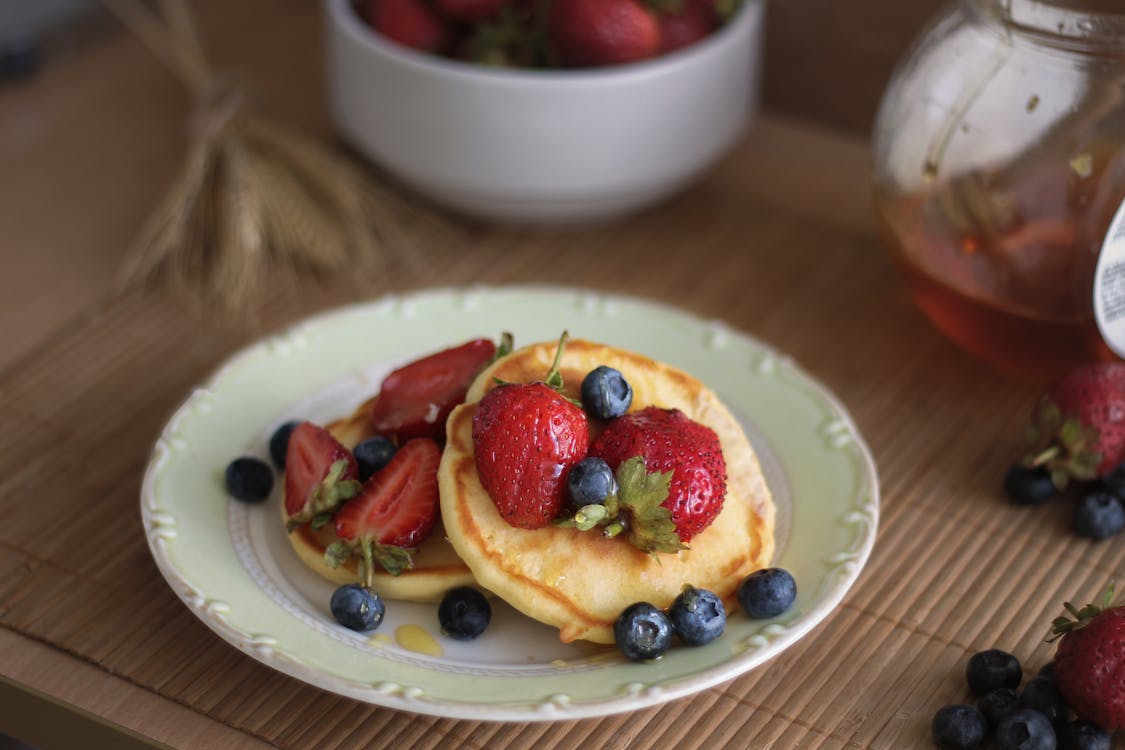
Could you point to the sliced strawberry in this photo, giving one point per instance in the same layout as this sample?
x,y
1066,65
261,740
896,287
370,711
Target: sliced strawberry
x,y
397,507
415,400
319,474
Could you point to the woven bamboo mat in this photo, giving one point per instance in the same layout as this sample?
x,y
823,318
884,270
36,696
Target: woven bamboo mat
x,y
954,569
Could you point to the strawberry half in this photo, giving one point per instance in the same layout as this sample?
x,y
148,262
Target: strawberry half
x,y
320,474
1090,662
416,399
396,509
526,439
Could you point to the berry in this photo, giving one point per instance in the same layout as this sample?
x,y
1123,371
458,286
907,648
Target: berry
x,y
605,393
1114,481
1042,694
357,607
694,20
991,669
373,454
1098,515
602,32
397,507
1047,670
415,400
249,479
698,616
1077,429
1090,662
590,482
410,22
279,443
669,441
464,613
958,727
469,11
1084,735
1025,730
998,703
320,474
642,631
1026,485
767,593
526,439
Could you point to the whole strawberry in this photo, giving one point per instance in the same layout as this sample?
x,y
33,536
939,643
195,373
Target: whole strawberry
x,y
410,22
1077,429
526,438
686,23
602,32
1090,662
668,441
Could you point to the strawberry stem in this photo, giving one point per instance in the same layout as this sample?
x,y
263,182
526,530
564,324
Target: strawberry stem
x,y
367,574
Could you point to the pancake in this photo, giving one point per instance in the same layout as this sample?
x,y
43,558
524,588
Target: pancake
x,y
437,567
579,581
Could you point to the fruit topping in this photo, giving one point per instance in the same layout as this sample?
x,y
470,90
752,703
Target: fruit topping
x,y
998,703
1029,485
590,482
1090,661
1042,694
958,727
464,613
279,443
395,510
1098,515
416,399
249,479
767,593
1025,730
1084,735
373,454
526,439
698,616
605,393
642,631
669,442
1077,429
992,669
357,607
320,474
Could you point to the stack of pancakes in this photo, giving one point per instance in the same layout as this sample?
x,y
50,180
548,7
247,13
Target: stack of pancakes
x,y
576,581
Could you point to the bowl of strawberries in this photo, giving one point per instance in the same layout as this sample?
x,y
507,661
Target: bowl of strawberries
x,y
544,112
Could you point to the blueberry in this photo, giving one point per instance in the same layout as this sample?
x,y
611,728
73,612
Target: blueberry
x,y
642,632
1028,485
1047,670
1042,695
605,393
1025,730
958,727
590,482
1084,735
249,479
279,443
998,703
373,454
697,616
767,593
464,613
991,669
1114,482
1099,515
357,607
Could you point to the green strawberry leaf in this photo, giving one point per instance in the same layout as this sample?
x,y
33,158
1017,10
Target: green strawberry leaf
x,y
641,494
394,560
336,554
327,497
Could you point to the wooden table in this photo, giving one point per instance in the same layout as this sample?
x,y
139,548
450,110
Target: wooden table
x,y
777,241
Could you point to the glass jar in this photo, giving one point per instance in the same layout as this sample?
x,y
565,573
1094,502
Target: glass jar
x,y
999,164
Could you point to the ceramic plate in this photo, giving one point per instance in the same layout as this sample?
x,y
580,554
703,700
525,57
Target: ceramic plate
x,y
231,564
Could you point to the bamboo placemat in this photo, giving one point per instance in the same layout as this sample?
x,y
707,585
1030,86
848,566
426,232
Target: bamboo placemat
x,y
955,569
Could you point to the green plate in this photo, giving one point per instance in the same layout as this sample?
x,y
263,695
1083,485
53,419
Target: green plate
x,y
232,566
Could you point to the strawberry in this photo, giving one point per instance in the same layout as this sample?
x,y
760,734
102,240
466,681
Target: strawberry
x,y
602,32
469,11
410,22
526,439
319,475
396,509
416,399
1090,662
669,443
691,21
1077,429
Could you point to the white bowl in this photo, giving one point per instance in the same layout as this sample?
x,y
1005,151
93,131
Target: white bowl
x,y
543,146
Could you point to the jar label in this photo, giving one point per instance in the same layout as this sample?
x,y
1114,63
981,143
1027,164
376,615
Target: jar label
x,y
1109,285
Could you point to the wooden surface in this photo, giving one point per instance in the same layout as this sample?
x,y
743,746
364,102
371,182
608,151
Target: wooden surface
x,y
777,241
